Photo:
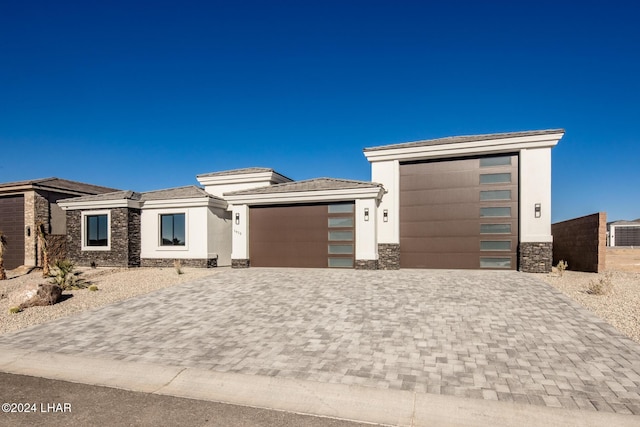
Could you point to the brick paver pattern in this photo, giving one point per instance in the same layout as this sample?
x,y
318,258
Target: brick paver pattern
x,y
492,335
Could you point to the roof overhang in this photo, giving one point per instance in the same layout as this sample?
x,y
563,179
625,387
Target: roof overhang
x,y
70,205
185,203
243,178
486,146
317,196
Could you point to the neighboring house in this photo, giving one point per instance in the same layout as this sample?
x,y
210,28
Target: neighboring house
x,y
473,202
623,233
24,204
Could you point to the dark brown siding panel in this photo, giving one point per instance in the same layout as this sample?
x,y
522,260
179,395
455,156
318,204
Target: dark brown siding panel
x,y
440,217
12,225
288,236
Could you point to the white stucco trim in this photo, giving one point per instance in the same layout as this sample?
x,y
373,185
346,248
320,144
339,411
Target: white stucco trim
x,y
365,234
491,146
306,196
70,205
184,203
83,231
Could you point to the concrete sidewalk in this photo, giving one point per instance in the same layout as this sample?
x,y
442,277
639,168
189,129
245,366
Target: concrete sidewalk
x,y
348,402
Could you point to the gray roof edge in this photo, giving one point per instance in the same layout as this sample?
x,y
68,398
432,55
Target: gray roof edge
x,y
242,171
465,138
81,187
276,187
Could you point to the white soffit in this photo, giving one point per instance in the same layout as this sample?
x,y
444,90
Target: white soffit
x,y
487,146
306,196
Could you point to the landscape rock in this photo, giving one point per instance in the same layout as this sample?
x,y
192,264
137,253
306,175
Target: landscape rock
x,y
45,294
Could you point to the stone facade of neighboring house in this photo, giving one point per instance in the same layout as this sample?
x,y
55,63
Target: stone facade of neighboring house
x,y
25,204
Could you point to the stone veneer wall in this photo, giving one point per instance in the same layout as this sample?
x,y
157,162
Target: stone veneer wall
x,y
581,242
366,264
240,263
36,209
388,256
186,262
535,257
125,240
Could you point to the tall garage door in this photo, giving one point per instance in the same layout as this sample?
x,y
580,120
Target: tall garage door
x,y
627,236
459,213
319,235
12,225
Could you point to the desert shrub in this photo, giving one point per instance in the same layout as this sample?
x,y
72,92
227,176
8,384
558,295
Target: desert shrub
x,y
601,286
64,276
93,288
178,266
562,266
14,310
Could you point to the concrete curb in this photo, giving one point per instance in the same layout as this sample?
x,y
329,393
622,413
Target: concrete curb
x,y
349,402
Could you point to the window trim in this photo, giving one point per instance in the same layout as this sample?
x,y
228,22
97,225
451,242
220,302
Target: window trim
x,y
159,245
83,228
172,214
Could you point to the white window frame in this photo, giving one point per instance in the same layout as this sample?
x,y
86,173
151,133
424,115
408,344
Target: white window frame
x,y
159,245
83,228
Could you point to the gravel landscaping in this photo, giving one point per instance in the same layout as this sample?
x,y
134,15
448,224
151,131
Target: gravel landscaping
x,y
114,284
619,307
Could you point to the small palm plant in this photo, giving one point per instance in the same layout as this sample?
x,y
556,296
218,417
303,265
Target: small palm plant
x,y
42,244
3,248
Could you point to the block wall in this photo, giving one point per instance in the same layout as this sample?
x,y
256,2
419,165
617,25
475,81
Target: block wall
x,y
581,242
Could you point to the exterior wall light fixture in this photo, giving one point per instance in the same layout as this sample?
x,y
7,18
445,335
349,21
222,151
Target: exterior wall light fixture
x,y
385,215
537,210
28,231
237,218
366,214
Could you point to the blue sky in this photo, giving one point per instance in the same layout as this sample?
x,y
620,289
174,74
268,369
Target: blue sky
x,y
145,95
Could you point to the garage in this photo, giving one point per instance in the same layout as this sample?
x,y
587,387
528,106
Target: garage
x,y
12,225
627,235
313,236
459,214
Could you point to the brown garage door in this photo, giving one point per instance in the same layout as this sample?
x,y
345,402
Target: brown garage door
x,y
12,225
459,213
319,235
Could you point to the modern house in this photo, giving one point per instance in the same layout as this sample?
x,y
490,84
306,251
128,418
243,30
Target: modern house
x,y
472,202
24,204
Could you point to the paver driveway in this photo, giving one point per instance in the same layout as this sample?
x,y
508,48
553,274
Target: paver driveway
x,y
479,334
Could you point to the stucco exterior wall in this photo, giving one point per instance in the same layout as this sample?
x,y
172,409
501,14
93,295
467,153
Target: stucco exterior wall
x,y
387,173
219,235
535,188
196,234
366,242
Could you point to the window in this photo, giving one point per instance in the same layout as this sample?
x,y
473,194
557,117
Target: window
x,y
172,230
341,235
341,222
495,228
341,262
495,178
96,230
340,249
495,195
497,245
488,162
495,262
341,208
495,212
